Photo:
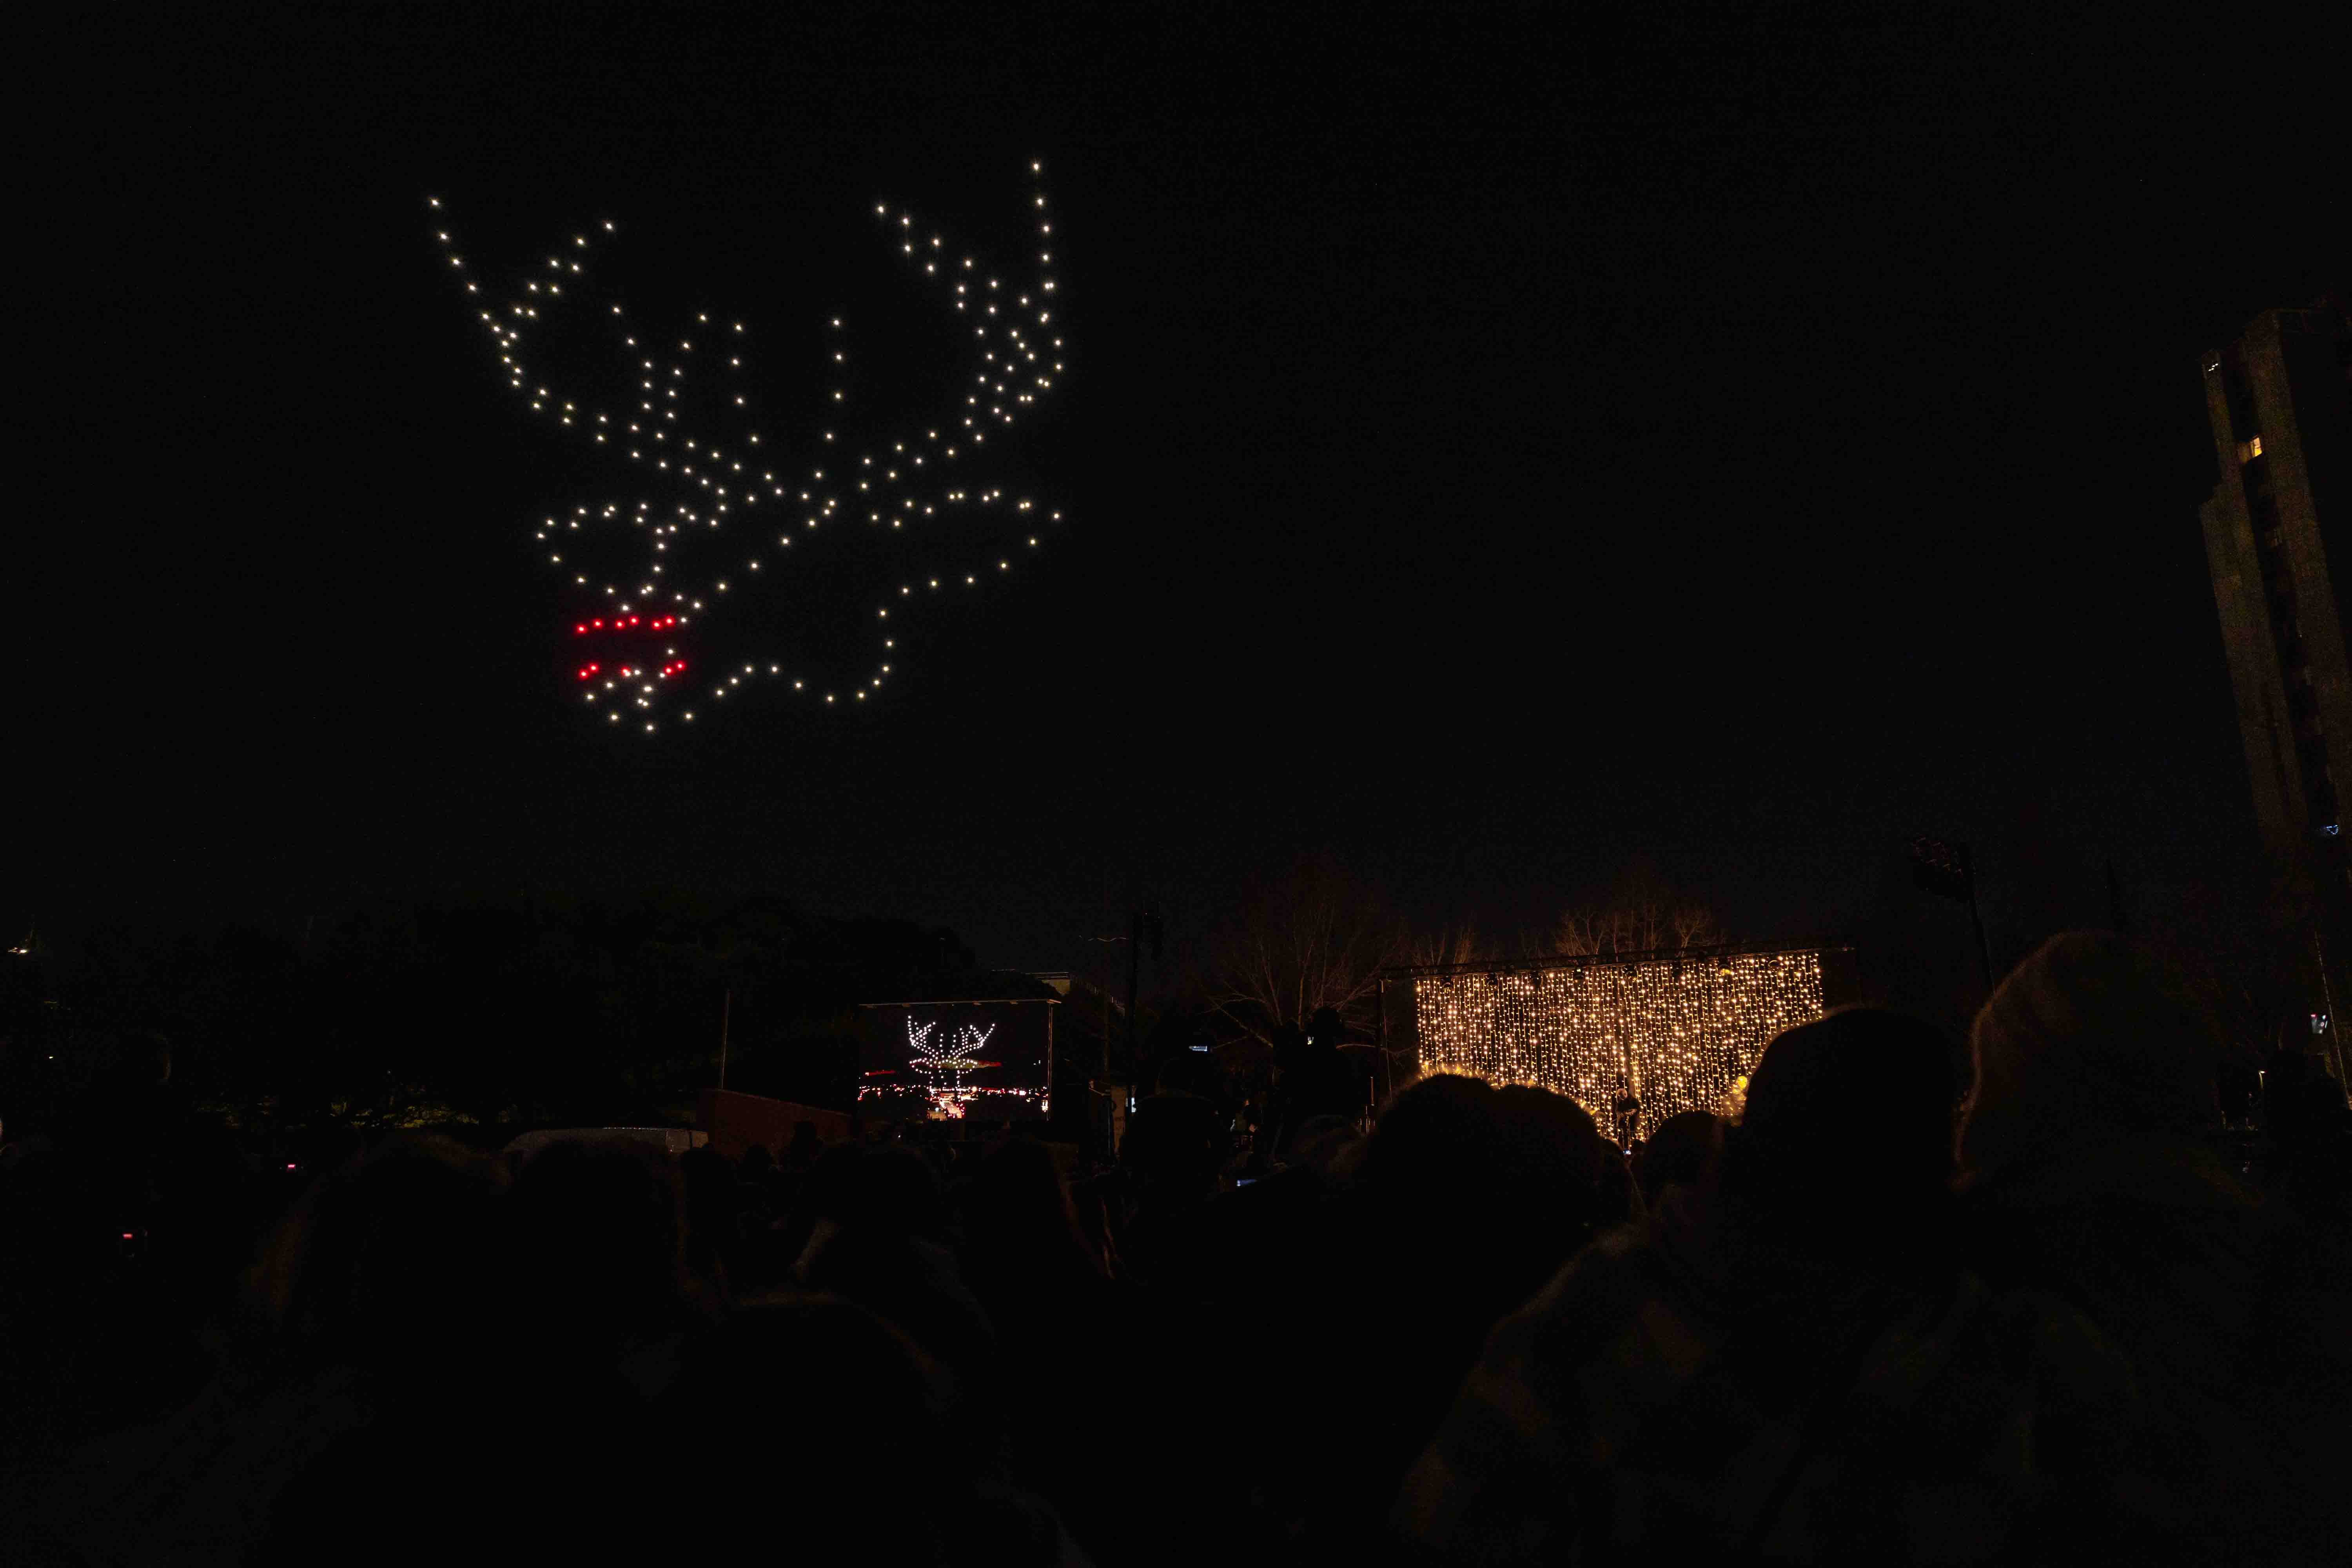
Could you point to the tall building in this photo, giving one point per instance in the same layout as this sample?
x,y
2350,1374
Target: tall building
x,y
2278,537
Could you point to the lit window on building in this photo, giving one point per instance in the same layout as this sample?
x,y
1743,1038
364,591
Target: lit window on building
x,y
2249,450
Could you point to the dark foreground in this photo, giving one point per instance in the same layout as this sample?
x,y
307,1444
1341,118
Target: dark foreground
x,y
2057,1315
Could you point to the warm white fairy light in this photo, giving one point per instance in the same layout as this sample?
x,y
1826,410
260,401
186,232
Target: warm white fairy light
x,y
1679,1033
1012,373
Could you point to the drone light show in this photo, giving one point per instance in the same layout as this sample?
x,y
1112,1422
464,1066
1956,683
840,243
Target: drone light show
x,y
1673,1032
686,581
948,1060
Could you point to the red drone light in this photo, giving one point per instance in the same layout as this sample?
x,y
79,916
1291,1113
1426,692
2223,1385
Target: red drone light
x,y
625,623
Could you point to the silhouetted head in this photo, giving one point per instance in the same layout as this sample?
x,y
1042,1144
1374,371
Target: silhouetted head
x,y
709,1183
2085,1042
1190,1071
1477,1195
889,1190
140,1062
1524,1157
1430,1131
595,1238
1681,1149
1569,1179
1323,1143
1289,1042
1172,1146
1550,1132
1017,1214
804,1407
1326,1028
1848,1116
388,1264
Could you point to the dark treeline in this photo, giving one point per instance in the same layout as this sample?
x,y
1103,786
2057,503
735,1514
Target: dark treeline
x,y
570,1014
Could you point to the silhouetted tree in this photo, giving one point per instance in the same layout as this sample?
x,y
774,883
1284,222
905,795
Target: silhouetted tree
x,y
1310,937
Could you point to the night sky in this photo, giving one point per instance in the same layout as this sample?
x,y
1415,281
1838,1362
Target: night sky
x,y
1502,448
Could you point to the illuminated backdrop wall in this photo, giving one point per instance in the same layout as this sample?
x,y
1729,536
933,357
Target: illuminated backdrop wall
x,y
1679,1033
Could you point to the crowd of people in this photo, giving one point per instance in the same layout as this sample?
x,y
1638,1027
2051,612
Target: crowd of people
x,y
2027,1307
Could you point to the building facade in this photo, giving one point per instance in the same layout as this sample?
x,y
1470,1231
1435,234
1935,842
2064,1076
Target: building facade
x,y
2278,538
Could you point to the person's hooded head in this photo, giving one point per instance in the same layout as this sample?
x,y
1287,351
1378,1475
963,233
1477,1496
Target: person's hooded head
x,y
2083,1044
1681,1150
1847,1124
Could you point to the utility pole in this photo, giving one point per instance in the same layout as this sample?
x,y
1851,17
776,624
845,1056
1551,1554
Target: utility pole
x,y
1949,872
1143,926
1134,961
1103,1087
1984,948
726,1017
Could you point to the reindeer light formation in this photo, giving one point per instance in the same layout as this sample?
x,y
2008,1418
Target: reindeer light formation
x,y
717,515
943,1059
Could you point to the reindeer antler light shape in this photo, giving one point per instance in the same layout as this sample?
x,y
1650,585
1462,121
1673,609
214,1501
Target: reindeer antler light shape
x,y
732,510
951,1057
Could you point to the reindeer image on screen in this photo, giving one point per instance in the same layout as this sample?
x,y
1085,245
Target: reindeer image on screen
x,y
942,1062
987,1058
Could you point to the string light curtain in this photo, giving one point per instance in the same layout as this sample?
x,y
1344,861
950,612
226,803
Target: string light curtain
x,y
1679,1034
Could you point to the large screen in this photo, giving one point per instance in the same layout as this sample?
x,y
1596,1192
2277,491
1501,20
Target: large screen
x,y
951,1060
